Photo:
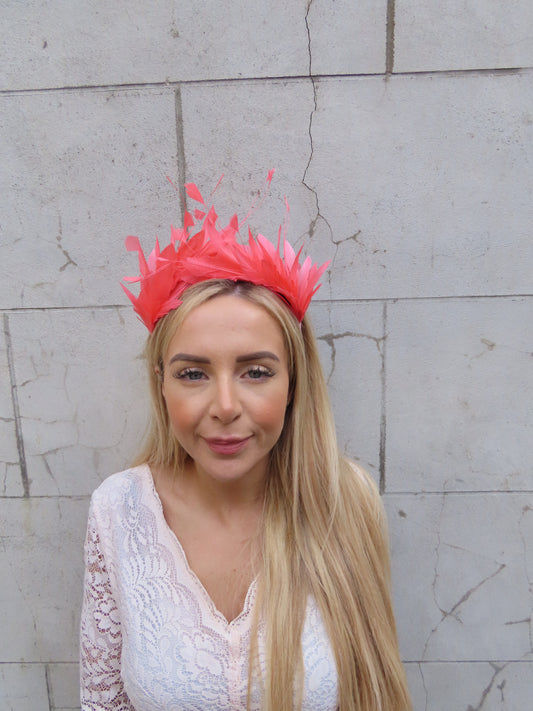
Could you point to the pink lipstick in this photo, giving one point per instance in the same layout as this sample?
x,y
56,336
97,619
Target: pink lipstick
x,y
230,445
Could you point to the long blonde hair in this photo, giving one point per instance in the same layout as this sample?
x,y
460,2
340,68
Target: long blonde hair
x,y
324,530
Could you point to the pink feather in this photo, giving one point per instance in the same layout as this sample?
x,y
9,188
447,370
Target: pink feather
x,y
215,253
193,192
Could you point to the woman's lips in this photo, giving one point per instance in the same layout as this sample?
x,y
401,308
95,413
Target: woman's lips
x,y
230,445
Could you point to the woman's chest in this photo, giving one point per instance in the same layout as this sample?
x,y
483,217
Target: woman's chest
x,y
178,651
225,570
224,558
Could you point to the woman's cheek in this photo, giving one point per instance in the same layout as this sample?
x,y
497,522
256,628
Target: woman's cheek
x,y
180,411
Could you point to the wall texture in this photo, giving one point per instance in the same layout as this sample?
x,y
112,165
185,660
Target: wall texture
x,y
402,135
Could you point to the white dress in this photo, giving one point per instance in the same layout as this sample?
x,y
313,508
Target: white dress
x,y
151,637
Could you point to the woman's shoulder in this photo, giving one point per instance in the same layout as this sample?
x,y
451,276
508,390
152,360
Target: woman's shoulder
x,y
121,483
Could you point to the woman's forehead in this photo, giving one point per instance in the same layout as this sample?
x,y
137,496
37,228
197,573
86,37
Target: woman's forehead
x,y
228,322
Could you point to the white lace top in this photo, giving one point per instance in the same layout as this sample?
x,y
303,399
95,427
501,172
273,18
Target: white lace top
x,y
151,637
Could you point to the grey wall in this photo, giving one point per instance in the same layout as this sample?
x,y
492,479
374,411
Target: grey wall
x,y
402,135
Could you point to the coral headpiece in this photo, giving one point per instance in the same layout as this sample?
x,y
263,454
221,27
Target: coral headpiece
x,y
214,253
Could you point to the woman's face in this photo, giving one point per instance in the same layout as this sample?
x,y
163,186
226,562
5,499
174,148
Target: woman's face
x,y
226,388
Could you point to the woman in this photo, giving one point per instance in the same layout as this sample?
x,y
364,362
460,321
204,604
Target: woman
x,y
242,564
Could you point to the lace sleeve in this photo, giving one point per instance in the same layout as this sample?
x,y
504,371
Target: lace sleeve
x,y
100,635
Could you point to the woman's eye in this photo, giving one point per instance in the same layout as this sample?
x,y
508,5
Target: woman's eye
x,y
258,372
190,374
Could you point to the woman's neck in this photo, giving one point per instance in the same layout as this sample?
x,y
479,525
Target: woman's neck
x,y
231,503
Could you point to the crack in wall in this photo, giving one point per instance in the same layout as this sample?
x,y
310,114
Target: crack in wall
x,y
318,216
337,243
527,509
472,590
452,612
5,476
50,473
354,238
48,687
500,688
426,693
16,409
59,240
435,578
9,471
486,691
330,339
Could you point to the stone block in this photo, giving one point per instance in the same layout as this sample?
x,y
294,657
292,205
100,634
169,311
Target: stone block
x,y
479,34
350,338
347,37
23,687
462,573
424,184
41,586
81,171
10,477
75,43
82,395
470,685
459,395
63,680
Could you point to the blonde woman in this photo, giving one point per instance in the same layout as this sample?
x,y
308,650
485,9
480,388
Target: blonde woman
x,y
242,564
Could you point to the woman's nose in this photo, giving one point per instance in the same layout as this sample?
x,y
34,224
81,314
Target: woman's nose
x,y
225,402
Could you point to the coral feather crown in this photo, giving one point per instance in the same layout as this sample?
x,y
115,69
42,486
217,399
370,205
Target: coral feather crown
x,y
214,253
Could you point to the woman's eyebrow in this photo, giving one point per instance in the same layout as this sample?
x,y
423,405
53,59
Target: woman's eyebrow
x,y
259,355
188,357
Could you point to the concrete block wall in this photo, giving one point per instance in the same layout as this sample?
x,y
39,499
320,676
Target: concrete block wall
x,y
402,135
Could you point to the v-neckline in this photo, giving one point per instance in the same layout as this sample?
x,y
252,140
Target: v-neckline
x,y
212,608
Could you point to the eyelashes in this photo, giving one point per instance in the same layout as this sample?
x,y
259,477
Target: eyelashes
x,y
253,372
190,374
257,372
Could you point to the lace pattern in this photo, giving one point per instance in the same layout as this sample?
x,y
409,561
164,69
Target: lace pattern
x,y
151,637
